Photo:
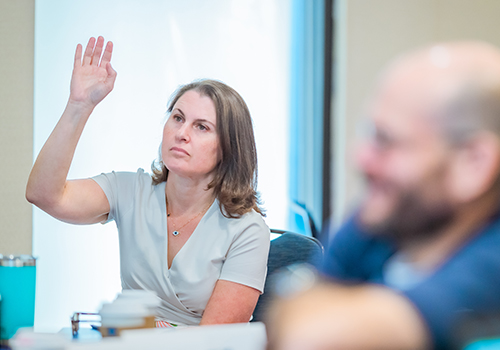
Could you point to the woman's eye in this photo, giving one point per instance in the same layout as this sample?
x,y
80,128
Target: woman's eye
x,y
202,127
177,118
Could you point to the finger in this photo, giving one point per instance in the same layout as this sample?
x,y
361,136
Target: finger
x,y
87,56
96,56
106,57
78,56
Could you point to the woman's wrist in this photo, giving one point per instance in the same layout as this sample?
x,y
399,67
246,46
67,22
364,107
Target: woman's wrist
x,y
79,109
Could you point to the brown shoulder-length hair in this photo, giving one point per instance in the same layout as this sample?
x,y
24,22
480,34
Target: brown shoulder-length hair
x,y
235,179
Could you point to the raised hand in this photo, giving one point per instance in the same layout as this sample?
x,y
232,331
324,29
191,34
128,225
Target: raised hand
x,y
93,77
77,201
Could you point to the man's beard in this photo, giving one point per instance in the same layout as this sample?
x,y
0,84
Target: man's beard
x,y
413,219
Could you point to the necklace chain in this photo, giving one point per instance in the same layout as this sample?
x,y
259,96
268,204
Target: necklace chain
x,y
177,231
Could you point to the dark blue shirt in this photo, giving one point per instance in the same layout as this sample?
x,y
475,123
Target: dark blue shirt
x,y
468,282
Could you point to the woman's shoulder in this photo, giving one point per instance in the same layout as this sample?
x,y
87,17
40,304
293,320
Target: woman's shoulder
x,y
126,179
142,176
139,175
249,216
250,221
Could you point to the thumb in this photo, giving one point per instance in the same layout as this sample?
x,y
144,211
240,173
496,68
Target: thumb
x,y
111,72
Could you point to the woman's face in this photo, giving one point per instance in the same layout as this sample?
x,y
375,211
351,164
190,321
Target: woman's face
x,y
190,146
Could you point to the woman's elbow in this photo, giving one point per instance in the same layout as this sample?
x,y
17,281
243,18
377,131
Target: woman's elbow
x,y
36,199
39,198
31,194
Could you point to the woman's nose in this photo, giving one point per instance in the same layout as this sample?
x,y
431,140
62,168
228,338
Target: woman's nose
x,y
183,133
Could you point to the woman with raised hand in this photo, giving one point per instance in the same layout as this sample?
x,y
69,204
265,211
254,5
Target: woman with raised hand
x,y
192,231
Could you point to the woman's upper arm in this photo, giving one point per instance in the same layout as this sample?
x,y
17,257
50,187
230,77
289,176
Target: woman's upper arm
x,y
83,202
246,260
242,275
230,303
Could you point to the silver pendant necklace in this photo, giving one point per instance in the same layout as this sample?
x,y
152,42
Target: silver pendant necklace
x,y
176,231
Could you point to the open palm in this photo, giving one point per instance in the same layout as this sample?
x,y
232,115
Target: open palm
x,y
93,77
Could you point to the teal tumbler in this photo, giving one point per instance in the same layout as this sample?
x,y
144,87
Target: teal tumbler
x,y
17,288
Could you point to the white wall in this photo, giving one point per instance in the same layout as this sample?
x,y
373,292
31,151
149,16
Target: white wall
x,y
158,46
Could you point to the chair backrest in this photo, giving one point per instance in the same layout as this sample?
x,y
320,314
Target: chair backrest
x,y
288,249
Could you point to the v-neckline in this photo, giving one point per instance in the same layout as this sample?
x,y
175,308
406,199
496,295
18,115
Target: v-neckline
x,y
167,234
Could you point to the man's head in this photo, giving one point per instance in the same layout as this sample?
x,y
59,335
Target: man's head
x,y
435,146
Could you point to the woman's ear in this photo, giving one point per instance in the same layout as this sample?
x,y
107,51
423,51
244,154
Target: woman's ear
x,y
475,167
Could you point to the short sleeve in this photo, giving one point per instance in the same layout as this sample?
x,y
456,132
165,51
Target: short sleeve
x,y
246,261
119,189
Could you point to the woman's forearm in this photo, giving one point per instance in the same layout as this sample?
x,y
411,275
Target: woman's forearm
x,y
47,180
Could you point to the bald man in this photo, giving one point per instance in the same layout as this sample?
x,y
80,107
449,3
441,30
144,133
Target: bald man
x,y
423,250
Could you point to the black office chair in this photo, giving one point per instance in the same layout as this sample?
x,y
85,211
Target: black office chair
x,y
288,249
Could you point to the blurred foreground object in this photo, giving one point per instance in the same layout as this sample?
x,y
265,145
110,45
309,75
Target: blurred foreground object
x,y
27,339
131,309
329,316
427,229
241,336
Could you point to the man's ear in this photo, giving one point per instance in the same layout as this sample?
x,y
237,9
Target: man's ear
x,y
475,167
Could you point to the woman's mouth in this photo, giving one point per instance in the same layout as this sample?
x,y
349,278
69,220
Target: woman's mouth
x,y
179,150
